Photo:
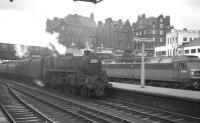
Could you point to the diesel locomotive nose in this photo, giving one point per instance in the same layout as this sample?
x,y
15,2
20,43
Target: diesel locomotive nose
x,y
195,77
195,73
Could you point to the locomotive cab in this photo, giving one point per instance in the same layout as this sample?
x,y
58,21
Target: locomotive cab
x,y
194,69
181,72
187,71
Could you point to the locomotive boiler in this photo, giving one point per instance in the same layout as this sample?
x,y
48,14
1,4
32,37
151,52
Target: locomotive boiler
x,y
79,74
175,72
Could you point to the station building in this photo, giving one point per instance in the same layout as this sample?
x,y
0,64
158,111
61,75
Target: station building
x,y
177,41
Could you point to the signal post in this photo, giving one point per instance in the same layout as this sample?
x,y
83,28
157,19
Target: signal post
x,y
142,40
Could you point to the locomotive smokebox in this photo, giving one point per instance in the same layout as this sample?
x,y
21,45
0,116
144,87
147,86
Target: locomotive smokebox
x,y
87,53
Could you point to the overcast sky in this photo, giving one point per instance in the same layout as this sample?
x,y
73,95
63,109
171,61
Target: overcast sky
x,y
23,21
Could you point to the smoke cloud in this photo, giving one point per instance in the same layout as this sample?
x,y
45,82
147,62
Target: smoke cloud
x,y
21,51
39,82
55,46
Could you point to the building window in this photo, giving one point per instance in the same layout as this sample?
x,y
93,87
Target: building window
x,y
153,32
145,32
161,20
193,50
154,39
63,27
161,32
186,51
198,50
161,40
136,33
168,40
161,25
174,39
179,52
184,39
167,52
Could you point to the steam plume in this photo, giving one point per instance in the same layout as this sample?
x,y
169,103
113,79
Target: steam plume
x,y
55,46
21,51
39,82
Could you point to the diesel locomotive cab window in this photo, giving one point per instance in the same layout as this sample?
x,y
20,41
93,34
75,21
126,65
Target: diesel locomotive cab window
x,y
176,66
180,66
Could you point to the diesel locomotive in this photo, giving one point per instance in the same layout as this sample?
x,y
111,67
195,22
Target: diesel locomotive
x,y
174,72
77,74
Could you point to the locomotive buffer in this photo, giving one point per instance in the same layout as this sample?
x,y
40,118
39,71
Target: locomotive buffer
x,y
142,40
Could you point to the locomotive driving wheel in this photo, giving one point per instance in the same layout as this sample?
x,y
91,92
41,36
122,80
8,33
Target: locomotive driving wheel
x,y
85,93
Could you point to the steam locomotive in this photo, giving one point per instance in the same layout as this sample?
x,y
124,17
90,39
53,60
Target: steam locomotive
x,y
78,74
173,72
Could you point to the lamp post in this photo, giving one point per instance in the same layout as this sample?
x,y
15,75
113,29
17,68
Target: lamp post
x,y
142,80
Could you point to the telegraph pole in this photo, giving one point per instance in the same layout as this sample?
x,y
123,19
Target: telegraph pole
x,y
142,40
143,67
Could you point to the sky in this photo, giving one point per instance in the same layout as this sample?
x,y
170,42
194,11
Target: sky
x,y
24,21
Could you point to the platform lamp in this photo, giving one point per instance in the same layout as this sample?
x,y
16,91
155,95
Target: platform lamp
x,y
142,40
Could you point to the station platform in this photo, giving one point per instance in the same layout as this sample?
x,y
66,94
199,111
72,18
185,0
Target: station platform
x,y
158,91
3,118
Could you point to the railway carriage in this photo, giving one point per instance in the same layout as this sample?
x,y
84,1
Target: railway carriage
x,y
178,71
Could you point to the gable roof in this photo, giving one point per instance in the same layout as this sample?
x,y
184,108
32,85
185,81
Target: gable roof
x,y
121,26
147,21
80,20
117,26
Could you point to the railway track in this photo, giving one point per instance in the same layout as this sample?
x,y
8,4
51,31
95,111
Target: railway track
x,y
18,111
138,112
146,112
58,113
82,108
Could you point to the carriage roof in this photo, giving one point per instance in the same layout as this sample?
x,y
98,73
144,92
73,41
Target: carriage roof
x,y
171,59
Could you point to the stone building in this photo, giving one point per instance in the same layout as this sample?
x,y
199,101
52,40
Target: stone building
x,y
151,27
176,40
74,30
114,34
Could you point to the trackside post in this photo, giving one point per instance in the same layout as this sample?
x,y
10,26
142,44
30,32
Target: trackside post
x,y
142,40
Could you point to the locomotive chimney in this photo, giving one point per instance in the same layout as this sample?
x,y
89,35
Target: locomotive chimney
x,y
86,53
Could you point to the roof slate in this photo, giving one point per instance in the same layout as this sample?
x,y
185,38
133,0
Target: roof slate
x,y
78,19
